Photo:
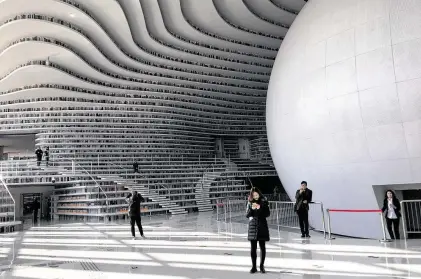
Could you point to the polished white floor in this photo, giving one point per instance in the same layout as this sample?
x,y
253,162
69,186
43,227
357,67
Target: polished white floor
x,y
194,247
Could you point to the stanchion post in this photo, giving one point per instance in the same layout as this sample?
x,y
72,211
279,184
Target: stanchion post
x,y
217,210
230,210
225,210
323,220
383,229
329,225
277,215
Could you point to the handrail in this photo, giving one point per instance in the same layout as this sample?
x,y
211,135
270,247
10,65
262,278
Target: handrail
x,y
248,177
166,188
204,172
226,201
53,158
328,210
407,217
207,167
12,163
11,196
96,182
118,166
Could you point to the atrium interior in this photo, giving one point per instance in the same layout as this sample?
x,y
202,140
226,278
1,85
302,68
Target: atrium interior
x,y
192,104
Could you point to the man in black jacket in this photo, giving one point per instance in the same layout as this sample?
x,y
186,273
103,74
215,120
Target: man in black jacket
x,y
134,199
136,167
47,155
39,154
302,199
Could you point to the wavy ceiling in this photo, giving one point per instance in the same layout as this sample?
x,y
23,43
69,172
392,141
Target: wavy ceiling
x,y
161,76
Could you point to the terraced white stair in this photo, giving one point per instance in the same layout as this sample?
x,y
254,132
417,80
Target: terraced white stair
x,y
202,191
163,201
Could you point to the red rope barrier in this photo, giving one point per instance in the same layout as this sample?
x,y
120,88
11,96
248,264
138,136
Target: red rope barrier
x,y
356,210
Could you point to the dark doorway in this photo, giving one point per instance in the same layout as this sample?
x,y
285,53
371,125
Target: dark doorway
x,y
411,194
28,200
269,185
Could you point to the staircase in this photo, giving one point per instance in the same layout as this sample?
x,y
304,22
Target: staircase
x,y
163,201
230,165
202,191
7,209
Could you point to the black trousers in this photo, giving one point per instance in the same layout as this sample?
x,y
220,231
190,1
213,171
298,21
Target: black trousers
x,y
253,252
39,161
137,220
303,219
393,225
36,216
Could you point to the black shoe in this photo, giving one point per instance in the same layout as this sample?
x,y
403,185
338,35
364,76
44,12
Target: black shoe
x,y
303,236
262,269
308,236
253,270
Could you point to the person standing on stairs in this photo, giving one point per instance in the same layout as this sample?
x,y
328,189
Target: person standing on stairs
x,y
47,156
258,231
136,167
134,199
39,153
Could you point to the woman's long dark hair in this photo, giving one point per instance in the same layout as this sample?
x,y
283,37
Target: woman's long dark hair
x,y
135,196
254,190
393,195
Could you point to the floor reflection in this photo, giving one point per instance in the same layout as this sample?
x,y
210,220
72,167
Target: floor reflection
x,y
193,247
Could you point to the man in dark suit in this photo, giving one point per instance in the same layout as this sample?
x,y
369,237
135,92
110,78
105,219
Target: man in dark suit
x,y
302,199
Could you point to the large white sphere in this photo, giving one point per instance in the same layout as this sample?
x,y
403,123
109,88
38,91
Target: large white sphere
x,y
344,105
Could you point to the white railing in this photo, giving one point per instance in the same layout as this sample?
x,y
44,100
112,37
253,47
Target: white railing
x,y
355,211
110,164
282,213
228,209
9,168
411,217
9,195
209,168
281,197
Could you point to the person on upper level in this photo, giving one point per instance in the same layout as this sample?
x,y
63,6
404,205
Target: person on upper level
x,y
136,167
47,155
39,154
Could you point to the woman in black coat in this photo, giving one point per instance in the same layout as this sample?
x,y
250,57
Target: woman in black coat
x,y
392,210
257,212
